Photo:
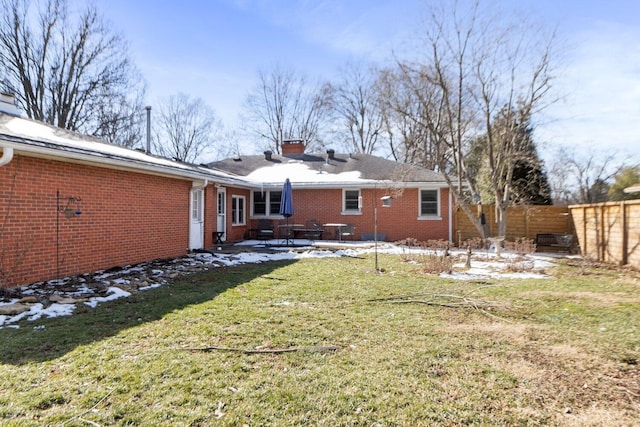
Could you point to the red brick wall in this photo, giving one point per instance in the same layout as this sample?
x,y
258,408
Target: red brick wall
x,y
126,218
398,221
237,232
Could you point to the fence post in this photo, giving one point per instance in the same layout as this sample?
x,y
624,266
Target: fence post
x,y
625,233
584,230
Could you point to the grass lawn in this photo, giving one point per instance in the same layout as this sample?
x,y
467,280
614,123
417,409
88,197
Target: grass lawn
x,y
560,351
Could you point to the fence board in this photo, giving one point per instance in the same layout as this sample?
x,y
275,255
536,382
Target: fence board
x,y
522,221
609,232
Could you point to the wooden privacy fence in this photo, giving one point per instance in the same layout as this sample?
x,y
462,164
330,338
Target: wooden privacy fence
x,y
522,221
609,232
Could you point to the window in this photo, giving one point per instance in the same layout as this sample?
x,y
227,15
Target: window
x,y
274,202
429,203
259,203
266,202
237,210
351,201
196,205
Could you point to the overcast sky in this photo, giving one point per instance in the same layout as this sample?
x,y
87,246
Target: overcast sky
x,y
213,49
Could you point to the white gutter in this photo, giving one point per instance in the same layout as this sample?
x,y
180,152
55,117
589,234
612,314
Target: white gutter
x,y
195,185
103,160
7,155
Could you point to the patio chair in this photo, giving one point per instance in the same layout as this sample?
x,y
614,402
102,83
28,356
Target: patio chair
x,y
265,230
347,231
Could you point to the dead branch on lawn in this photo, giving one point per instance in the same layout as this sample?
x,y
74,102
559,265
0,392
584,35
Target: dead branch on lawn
x,y
459,300
315,349
444,300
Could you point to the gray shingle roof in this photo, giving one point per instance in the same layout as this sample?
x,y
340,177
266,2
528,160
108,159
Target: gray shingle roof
x,y
370,167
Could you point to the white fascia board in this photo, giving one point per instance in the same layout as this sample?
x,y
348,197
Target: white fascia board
x,y
52,151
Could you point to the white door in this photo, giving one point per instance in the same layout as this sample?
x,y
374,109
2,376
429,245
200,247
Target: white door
x,y
196,223
221,225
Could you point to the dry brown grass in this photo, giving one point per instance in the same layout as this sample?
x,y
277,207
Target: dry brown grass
x,y
580,387
596,299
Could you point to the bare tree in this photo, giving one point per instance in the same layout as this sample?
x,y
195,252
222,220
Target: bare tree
x,y
407,139
582,178
69,70
478,67
355,104
186,127
284,106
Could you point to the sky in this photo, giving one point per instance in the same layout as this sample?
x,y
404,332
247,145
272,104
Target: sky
x,y
213,49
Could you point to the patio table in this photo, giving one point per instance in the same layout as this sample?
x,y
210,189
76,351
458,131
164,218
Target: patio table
x,y
289,234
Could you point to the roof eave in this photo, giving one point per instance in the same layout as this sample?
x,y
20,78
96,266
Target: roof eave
x,y
50,150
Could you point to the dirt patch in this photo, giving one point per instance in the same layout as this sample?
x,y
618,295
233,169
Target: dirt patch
x,y
516,333
581,388
595,299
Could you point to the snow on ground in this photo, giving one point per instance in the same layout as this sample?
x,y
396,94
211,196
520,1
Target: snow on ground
x,y
62,296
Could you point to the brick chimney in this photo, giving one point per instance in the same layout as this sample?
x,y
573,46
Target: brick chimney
x,y
292,146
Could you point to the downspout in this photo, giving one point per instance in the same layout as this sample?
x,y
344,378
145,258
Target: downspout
x,y
7,156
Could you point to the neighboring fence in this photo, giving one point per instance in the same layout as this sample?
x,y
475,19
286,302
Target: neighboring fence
x,y
522,221
609,232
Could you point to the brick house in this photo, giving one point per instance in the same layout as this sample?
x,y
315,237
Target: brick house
x,y
348,188
72,204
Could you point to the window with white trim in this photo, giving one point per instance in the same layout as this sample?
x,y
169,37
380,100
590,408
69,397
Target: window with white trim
x,y
238,210
351,201
429,203
266,202
196,205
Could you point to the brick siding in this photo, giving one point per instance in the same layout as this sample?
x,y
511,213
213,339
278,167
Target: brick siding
x,y
397,222
126,218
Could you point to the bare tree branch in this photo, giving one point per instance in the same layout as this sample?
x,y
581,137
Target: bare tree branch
x,y
355,104
476,68
284,105
186,128
69,70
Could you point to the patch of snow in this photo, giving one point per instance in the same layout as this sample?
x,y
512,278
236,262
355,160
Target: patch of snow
x,y
54,310
146,288
115,293
484,266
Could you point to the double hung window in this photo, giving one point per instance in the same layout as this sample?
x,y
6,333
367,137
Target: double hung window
x,y
238,210
266,203
429,203
351,202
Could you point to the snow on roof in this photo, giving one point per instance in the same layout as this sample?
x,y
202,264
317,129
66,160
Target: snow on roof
x,y
317,170
38,134
299,173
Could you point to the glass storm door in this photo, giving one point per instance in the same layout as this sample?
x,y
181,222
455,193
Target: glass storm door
x,y
196,223
221,225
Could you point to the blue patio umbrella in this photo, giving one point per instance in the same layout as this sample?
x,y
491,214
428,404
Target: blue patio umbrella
x,y
286,203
